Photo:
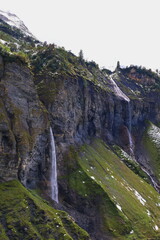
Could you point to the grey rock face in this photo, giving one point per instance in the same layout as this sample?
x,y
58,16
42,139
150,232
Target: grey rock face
x,y
23,126
79,110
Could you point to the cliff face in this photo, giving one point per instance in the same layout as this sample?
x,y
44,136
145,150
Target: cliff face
x,y
23,126
114,108
81,110
106,129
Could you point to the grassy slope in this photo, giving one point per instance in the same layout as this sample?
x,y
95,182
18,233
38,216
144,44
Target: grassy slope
x,y
151,142
130,163
24,215
130,207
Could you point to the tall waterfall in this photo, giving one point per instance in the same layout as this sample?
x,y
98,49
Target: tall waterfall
x,y
118,92
131,145
54,185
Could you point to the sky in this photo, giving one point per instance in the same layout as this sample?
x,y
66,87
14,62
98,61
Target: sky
x,y
106,30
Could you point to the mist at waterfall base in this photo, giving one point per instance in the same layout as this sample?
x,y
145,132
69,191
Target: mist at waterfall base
x,y
54,184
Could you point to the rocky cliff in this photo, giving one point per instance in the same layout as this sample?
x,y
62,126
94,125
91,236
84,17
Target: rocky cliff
x,y
106,129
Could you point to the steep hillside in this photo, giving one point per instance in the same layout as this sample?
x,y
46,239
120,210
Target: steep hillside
x,y
24,215
126,207
106,131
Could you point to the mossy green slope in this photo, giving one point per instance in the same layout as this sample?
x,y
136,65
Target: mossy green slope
x,y
24,215
151,142
131,163
130,208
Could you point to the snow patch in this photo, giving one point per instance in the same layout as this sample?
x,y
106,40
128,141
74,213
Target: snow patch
x,y
14,21
154,133
3,42
119,207
156,228
93,178
140,198
148,213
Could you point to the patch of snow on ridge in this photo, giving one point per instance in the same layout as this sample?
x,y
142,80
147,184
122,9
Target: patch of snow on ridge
x,y
14,21
154,133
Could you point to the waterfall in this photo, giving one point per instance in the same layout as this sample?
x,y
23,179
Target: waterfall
x,y
131,145
129,117
118,92
129,129
54,185
156,186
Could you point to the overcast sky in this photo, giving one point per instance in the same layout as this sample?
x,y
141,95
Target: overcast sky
x,y
106,30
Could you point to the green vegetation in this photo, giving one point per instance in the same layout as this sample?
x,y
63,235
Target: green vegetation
x,y
10,56
151,142
141,71
24,215
123,197
131,163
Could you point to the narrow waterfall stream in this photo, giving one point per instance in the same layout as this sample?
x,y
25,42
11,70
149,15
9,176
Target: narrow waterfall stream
x,y
54,185
122,95
118,91
156,186
131,145
129,130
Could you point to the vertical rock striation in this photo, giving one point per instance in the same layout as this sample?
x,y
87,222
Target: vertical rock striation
x,y
23,126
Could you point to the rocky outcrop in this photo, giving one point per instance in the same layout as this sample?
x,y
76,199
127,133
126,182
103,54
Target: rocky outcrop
x,y
80,110
23,126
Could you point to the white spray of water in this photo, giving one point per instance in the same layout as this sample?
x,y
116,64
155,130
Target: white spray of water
x,y
54,185
117,90
131,145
